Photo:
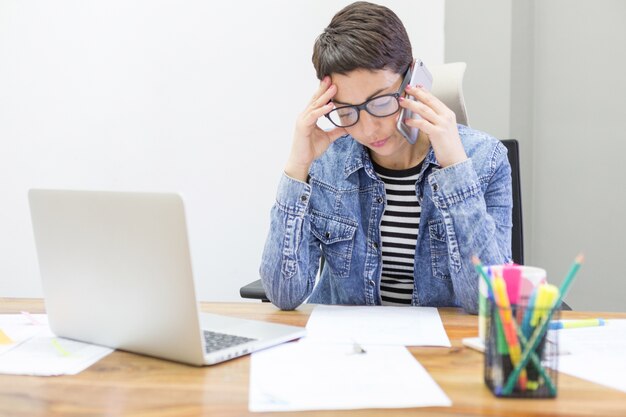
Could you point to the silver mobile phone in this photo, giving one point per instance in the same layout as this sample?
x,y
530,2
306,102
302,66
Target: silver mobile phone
x,y
419,75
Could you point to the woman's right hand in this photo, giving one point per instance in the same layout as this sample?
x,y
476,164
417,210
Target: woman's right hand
x,y
309,140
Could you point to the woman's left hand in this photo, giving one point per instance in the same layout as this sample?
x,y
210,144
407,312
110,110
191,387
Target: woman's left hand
x,y
438,122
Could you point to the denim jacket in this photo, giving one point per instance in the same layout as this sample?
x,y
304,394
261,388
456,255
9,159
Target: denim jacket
x,y
465,210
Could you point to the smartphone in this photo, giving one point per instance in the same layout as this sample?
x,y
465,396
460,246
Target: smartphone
x,y
419,75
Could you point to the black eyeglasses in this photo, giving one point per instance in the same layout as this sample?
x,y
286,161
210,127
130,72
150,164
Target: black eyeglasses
x,y
380,106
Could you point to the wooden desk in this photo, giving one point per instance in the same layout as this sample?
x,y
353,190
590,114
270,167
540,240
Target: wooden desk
x,y
133,385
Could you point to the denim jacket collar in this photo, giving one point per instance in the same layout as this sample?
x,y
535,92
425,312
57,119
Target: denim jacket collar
x,y
358,158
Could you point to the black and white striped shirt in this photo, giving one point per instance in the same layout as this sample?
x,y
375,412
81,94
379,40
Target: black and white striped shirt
x,y
399,228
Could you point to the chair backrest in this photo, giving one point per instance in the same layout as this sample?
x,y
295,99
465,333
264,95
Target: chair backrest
x,y
448,87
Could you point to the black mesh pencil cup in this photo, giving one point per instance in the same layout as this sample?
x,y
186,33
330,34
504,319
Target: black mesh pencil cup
x,y
520,353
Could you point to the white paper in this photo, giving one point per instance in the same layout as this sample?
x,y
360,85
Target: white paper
x,y
596,353
314,376
20,328
597,368
475,343
37,351
381,325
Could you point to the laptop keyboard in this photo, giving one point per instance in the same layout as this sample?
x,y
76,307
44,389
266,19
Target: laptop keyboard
x,y
216,341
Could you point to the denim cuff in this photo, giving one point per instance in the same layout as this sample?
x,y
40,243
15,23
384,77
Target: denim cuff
x,y
293,196
454,184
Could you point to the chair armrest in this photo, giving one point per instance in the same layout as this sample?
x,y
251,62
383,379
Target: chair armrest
x,y
253,290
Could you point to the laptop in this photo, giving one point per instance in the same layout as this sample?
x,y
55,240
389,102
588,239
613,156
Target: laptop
x,y
116,271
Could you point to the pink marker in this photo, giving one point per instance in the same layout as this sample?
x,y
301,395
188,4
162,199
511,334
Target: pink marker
x,y
512,275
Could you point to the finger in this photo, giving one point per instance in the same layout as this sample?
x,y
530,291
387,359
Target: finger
x,y
323,99
428,99
422,110
421,124
313,114
324,84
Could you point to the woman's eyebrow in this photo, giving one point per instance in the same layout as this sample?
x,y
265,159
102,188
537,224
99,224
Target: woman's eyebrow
x,y
377,92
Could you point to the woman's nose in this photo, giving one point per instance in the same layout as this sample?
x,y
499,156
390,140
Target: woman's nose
x,y
368,125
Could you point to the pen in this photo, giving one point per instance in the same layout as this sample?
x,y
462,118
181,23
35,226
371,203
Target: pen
x,y
530,307
358,349
574,324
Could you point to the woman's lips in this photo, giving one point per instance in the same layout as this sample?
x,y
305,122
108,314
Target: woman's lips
x,y
379,143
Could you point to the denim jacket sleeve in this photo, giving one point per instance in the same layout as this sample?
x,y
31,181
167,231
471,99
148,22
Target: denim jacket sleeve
x,y
290,250
477,217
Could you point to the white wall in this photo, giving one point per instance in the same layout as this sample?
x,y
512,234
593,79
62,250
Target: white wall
x,y
499,52
567,102
580,145
195,97
483,40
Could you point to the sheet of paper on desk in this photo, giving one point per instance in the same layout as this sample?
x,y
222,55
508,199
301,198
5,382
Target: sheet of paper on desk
x,y
596,353
19,328
407,326
36,351
314,376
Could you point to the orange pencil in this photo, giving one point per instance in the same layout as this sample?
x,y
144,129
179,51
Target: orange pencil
x,y
502,301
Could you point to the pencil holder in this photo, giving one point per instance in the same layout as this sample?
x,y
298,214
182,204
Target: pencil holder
x,y
520,353
531,277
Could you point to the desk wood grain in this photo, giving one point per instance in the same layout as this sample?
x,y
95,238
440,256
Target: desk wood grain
x,y
125,384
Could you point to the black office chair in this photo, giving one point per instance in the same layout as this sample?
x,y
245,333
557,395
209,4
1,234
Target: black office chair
x,y
517,234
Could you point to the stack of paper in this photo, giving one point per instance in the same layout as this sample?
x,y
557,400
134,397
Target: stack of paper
x,y
30,348
352,358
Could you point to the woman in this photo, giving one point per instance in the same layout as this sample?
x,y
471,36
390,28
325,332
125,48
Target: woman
x,y
396,223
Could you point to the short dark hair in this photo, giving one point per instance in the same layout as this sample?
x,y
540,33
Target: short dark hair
x,y
362,36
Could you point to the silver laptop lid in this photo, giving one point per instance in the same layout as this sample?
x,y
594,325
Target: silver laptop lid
x,y
116,270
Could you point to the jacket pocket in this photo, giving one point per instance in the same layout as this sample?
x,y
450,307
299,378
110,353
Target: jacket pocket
x,y
336,235
439,249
